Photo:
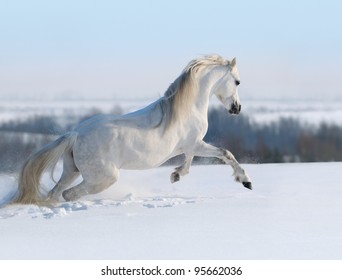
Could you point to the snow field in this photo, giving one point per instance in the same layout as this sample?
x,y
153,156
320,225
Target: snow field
x,y
293,213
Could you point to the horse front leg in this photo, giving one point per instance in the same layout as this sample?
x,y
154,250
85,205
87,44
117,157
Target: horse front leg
x,y
205,150
181,170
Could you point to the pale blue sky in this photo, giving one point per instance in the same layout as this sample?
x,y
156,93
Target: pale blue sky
x,y
135,49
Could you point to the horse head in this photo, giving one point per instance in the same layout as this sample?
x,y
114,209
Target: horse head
x,y
226,88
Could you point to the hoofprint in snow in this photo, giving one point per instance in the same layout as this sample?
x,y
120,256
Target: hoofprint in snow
x,y
293,213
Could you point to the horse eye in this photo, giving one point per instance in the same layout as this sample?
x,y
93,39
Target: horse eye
x,y
237,82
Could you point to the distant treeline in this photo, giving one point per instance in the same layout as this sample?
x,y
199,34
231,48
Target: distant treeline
x,y
284,140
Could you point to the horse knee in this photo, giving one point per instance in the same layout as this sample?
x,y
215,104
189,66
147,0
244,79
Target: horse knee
x,y
227,156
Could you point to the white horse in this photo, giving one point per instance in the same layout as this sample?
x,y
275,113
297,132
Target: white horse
x,y
175,124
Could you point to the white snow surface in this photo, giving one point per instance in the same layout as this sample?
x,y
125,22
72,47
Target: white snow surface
x,y
293,212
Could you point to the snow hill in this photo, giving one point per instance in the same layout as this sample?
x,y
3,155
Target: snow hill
x,y
294,212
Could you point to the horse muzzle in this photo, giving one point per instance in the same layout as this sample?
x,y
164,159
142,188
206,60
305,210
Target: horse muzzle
x,y
235,108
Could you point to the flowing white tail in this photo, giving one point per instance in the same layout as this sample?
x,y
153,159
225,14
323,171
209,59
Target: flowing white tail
x,y
33,169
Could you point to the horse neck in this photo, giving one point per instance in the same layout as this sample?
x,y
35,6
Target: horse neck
x,y
192,101
206,83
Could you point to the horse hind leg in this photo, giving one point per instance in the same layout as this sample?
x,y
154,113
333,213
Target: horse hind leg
x,y
65,181
69,175
87,187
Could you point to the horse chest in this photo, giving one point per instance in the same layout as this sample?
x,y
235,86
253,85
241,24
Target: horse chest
x,y
197,127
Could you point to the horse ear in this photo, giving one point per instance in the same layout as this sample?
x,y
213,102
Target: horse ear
x,y
233,62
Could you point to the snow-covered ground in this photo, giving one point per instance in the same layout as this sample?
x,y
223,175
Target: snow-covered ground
x,y
294,212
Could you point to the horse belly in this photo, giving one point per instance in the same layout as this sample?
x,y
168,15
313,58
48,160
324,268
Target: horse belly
x,y
125,148
142,152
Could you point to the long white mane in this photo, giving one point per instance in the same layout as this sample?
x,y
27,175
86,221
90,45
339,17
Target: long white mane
x,y
182,92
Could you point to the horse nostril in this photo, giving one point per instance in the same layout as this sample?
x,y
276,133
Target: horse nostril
x,y
235,108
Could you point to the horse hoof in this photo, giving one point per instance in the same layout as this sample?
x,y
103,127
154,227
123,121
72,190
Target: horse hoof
x,y
68,195
247,185
175,177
